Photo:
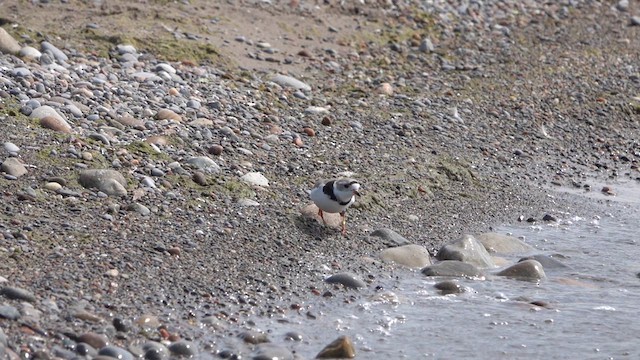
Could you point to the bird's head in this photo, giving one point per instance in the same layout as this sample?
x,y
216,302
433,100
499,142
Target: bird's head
x,y
348,187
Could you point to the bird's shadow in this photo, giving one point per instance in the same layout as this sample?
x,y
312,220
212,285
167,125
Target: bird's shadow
x,y
314,228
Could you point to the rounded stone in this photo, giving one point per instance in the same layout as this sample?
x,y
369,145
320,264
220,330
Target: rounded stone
x,y
468,250
168,114
346,279
452,268
340,348
54,123
255,178
115,352
8,45
183,348
215,150
412,256
503,244
524,270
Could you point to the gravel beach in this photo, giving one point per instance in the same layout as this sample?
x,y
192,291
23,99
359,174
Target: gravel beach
x,y
156,157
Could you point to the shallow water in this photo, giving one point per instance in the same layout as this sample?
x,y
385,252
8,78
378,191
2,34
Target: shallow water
x,y
592,312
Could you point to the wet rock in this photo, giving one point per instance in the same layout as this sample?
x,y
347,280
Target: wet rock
x,y
524,270
84,349
205,164
115,352
293,336
503,244
15,293
272,352
468,250
412,255
14,167
288,81
452,268
155,351
8,45
255,178
346,279
340,348
547,261
111,182
183,348
449,287
390,237
548,217
253,337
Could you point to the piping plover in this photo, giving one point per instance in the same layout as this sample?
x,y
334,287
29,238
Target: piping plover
x,y
335,196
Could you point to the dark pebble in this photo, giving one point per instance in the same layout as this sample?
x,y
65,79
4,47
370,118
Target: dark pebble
x,y
17,294
84,349
216,150
449,287
293,335
155,351
548,217
253,337
183,348
200,178
121,325
346,279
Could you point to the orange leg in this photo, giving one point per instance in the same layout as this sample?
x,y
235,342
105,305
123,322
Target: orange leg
x,y
321,217
344,222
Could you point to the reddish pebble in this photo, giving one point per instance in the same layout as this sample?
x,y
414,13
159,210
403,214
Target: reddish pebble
x,y
174,92
216,150
298,142
174,251
309,131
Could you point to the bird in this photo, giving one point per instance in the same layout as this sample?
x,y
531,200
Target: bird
x,y
335,196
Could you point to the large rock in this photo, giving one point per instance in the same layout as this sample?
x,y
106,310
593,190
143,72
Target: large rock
x,y
51,119
8,45
108,181
468,250
452,268
524,270
412,256
503,244
390,237
13,166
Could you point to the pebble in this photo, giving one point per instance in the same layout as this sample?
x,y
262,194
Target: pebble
x,y
115,352
111,182
524,270
315,110
205,164
9,312
96,341
14,167
57,53
215,150
288,81
272,351
11,148
140,209
168,114
247,202
635,20
469,250
547,261
390,237
253,337
183,348
84,349
255,178
15,293
8,45
448,287
346,279
29,52
411,256
426,46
